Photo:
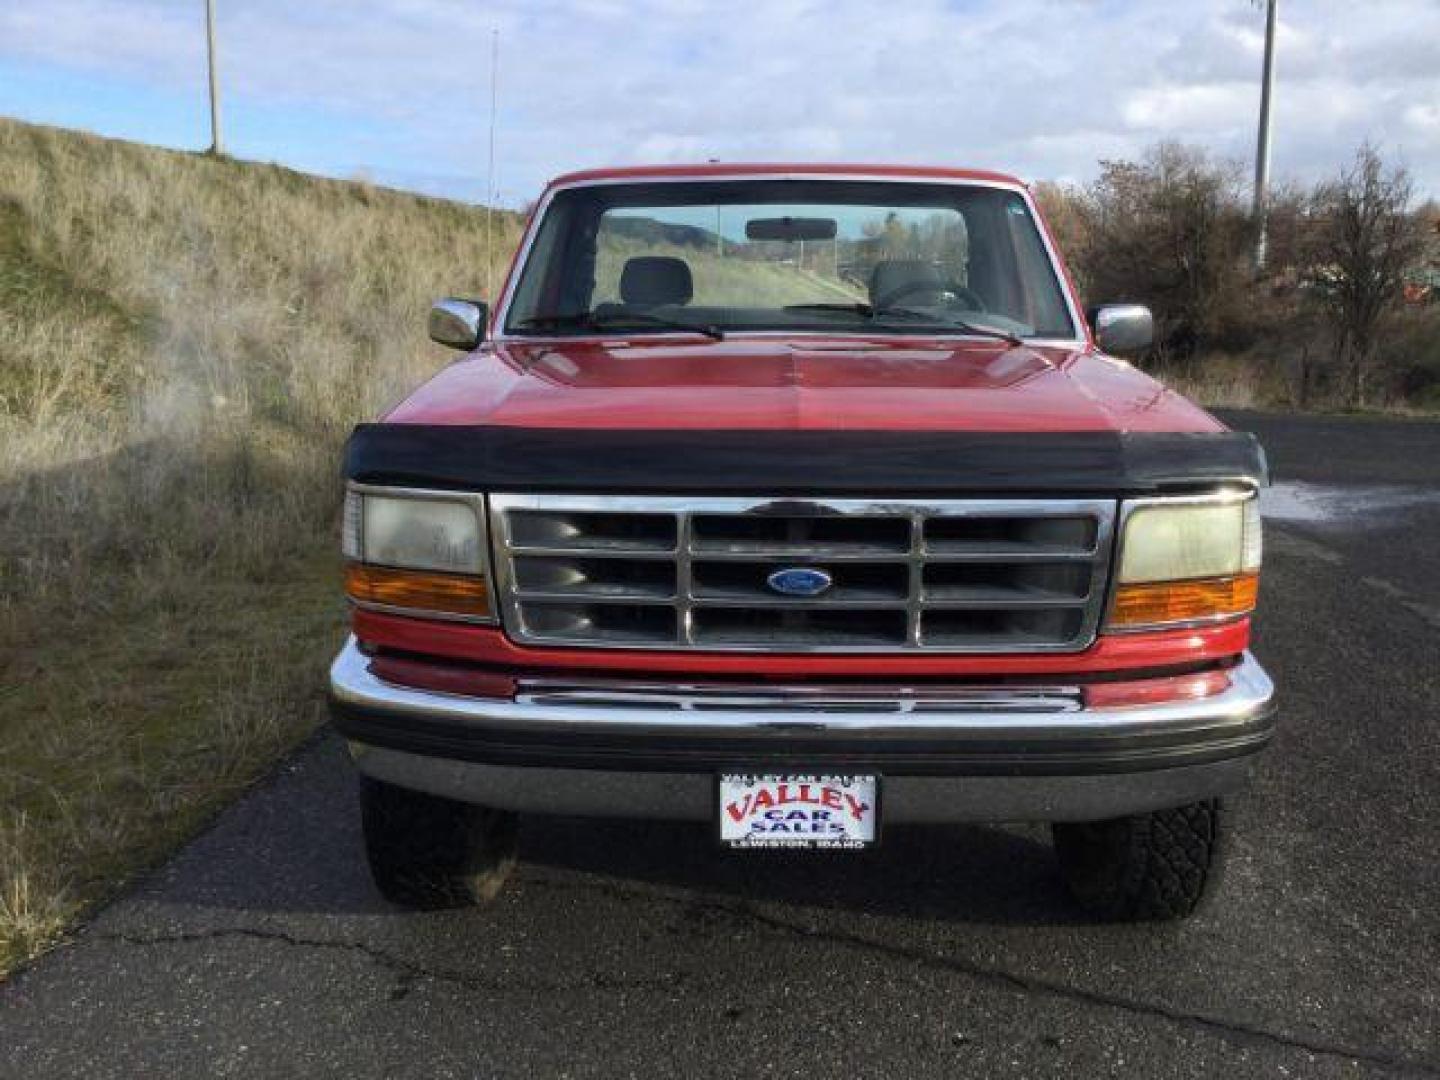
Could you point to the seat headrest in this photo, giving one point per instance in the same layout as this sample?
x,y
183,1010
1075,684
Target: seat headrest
x,y
891,277
652,280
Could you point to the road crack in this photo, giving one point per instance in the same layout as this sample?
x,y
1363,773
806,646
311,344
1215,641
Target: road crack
x,y
1025,984
407,972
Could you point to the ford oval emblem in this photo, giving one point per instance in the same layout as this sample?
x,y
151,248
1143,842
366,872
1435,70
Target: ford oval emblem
x,y
799,581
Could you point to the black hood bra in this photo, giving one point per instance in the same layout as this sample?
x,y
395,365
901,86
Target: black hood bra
x,y
799,463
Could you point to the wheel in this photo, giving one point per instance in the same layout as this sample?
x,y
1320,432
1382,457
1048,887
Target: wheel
x,y
429,852
1143,867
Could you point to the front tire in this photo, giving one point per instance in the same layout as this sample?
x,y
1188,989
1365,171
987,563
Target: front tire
x,y
1144,867
429,852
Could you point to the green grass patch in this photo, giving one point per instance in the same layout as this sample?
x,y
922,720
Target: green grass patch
x,y
122,731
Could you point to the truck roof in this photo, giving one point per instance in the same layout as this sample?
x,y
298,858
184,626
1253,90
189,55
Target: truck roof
x,y
733,169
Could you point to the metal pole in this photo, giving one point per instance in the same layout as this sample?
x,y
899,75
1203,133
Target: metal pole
x,y
1262,148
217,145
490,172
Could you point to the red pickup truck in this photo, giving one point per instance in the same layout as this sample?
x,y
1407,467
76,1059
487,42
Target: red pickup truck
x,y
799,500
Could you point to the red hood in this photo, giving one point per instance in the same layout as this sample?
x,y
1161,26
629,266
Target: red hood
x,y
814,383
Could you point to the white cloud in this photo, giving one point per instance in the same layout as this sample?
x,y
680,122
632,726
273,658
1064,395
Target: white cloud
x,y
1168,110
1040,87
1424,120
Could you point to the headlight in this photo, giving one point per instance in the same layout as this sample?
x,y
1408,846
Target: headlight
x,y
1186,560
421,552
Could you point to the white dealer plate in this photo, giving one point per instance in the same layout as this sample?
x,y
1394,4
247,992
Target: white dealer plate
x,y
798,811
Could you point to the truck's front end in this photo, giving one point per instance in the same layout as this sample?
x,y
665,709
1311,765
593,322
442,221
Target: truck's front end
x,y
795,501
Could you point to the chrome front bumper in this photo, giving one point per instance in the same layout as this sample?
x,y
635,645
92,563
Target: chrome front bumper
x,y
999,753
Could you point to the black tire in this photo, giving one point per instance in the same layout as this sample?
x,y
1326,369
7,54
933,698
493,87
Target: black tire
x,y
430,852
1143,867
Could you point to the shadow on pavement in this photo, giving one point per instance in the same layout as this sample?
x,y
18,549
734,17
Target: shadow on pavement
x,y
962,874
295,847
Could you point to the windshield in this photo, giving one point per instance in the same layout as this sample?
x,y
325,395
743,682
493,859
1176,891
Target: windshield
x,y
719,256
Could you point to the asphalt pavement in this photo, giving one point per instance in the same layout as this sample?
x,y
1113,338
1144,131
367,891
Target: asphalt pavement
x,y
634,949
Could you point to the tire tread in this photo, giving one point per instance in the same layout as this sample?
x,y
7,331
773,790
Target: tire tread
x,y
1153,866
430,852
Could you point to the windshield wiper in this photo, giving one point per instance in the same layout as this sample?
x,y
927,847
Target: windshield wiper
x,y
589,320
875,314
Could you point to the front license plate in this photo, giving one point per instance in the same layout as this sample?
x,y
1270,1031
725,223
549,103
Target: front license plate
x,y
798,811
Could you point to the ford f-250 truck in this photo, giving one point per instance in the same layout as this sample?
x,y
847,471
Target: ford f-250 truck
x,y
798,500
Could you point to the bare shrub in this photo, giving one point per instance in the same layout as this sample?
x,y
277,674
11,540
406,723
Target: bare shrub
x,y
1170,231
1069,212
1364,242
1342,315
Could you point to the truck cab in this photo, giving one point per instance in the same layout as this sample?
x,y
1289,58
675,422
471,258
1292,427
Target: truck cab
x,y
802,502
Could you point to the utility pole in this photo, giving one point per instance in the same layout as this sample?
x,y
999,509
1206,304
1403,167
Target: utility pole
x,y
217,146
490,171
1262,147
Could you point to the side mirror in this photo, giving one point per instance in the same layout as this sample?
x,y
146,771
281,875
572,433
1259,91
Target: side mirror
x,y
458,324
1122,328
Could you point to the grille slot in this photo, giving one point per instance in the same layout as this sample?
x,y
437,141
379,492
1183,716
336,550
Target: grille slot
x,y
1034,537
577,576
997,584
962,576
590,624
781,628
1015,629
786,534
592,531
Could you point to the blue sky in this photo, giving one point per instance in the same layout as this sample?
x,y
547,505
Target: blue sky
x,y
398,90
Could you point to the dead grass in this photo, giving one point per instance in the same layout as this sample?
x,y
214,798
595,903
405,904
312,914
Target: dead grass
x,y
1249,382
1271,375
184,343
1224,382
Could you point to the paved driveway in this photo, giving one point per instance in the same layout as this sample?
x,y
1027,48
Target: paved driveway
x,y
632,949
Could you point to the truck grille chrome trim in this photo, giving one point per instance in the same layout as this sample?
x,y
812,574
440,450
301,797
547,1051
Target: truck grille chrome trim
x,y
962,575
792,699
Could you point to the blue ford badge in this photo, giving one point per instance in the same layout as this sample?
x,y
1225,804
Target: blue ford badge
x,y
799,581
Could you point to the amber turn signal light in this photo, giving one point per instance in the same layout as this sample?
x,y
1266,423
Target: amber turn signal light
x,y
1154,603
420,590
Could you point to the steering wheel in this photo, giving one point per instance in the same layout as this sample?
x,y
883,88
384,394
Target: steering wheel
x,y
948,290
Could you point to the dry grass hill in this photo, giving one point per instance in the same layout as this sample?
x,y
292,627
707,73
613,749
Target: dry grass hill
x,y
184,344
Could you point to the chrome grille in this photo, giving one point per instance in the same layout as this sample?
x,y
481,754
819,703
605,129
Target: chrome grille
x,y
790,699
992,575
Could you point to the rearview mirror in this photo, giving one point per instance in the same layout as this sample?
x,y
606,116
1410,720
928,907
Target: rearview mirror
x,y
790,228
1122,328
458,324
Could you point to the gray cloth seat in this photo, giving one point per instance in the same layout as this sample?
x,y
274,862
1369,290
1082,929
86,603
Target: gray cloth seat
x,y
655,281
